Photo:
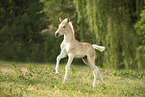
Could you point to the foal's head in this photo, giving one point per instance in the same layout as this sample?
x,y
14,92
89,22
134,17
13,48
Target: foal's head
x,y
63,27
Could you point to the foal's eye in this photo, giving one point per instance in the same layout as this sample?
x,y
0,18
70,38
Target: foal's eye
x,y
63,26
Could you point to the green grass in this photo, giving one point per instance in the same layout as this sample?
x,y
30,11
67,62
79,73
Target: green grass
x,y
39,80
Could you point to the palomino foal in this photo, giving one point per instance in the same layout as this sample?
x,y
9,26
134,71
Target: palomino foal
x,y
75,49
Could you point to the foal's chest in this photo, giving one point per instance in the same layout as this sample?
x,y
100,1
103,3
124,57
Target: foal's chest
x,y
70,47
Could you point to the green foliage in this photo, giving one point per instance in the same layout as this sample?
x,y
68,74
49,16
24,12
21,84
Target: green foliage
x,y
140,28
112,23
139,7
140,56
58,8
19,30
25,79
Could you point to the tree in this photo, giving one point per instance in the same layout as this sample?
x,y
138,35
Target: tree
x,y
21,22
112,23
140,28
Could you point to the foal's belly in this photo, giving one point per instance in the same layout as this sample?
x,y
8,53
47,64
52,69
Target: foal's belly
x,y
80,55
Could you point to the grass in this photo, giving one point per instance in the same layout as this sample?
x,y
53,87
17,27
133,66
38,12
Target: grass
x,y
39,80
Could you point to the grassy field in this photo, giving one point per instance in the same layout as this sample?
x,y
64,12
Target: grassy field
x,y
39,80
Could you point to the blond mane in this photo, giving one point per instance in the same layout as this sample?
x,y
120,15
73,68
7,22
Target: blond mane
x,y
70,23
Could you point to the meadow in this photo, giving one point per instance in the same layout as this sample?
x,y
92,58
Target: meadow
x,y
39,80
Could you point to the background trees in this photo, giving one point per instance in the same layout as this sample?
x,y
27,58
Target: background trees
x,y
112,22
140,29
20,23
104,22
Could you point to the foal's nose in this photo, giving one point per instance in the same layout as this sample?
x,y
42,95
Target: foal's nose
x,y
57,35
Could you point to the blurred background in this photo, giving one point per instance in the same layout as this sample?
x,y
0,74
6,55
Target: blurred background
x,y
27,30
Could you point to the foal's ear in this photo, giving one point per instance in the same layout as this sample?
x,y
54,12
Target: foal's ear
x,y
68,19
60,19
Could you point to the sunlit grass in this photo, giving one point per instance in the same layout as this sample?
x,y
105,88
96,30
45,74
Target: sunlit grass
x,y
34,80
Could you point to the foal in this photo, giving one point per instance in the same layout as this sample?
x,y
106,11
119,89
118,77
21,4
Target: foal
x,y
75,49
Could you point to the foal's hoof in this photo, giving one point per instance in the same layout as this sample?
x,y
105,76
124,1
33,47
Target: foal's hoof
x,y
103,84
57,73
64,81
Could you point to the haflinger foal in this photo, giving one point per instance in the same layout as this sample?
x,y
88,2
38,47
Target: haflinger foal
x,y
75,49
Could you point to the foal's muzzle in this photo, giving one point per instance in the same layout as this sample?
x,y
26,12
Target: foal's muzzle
x,y
57,35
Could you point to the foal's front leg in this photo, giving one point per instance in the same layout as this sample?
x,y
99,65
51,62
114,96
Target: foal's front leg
x,y
70,59
59,57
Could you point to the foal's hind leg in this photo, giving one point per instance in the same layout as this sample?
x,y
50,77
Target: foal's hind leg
x,y
59,57
100,76
92,67
91,60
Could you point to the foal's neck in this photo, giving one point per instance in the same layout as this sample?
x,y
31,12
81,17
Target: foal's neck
x,y
69,36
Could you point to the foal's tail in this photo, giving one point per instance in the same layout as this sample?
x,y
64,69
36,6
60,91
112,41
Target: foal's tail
x,y
100,48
